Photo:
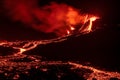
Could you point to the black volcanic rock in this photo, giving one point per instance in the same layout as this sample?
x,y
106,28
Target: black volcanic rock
x,y
4,51
101,48
49,70
114,79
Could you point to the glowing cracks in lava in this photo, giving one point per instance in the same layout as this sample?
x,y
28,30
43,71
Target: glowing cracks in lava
x,y
22,50
89,22
32,44
74,17
97,74
27,45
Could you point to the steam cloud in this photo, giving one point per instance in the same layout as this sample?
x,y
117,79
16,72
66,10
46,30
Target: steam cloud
x,y
50,18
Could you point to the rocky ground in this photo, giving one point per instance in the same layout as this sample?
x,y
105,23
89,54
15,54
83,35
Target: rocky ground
x,y
25,67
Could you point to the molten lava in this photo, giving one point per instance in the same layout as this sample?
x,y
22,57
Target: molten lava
x,y
72,28
89,21
57,18
68,32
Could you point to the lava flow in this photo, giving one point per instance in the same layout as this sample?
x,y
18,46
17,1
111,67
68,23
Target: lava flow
x,y
61,19
28,45
9,67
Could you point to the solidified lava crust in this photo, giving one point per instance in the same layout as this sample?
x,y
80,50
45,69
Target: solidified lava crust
x,y
33,68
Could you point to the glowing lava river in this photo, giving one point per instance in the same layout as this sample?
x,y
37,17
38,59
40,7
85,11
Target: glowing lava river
x,y
17,62
19,65
71,53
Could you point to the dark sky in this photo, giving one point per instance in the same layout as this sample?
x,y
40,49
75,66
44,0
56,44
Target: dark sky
x,y
10,30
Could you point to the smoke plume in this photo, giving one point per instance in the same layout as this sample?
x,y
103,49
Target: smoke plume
x,y
54,17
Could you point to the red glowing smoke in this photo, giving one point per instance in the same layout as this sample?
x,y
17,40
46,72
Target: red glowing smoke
x,y
55,17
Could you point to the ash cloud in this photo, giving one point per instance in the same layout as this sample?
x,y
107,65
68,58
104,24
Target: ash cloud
x,y
48,18
52,18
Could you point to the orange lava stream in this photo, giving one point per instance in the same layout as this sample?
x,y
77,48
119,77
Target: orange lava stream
x,y
98,74
88,28
72,20
28,45
74,17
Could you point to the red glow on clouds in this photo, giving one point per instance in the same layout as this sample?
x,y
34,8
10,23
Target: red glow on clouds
x,y
57,18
